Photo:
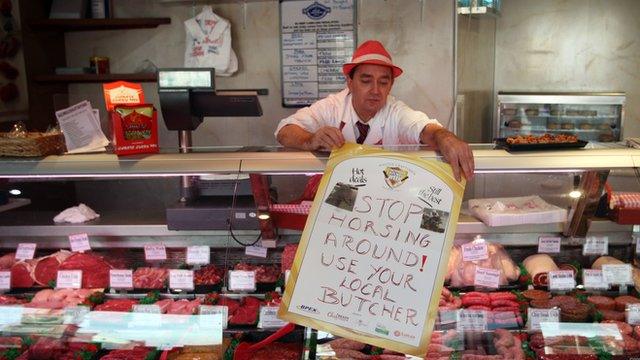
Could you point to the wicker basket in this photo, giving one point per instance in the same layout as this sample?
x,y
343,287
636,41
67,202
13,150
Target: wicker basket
x,y
34,144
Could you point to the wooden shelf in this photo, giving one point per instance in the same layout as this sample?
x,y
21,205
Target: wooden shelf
x,y
97,24
95,78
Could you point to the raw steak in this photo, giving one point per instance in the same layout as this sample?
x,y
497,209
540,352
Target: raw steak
x,y
46,268
150,278
95,271
288,254
21,274
124,305
264,273
208,275
6,261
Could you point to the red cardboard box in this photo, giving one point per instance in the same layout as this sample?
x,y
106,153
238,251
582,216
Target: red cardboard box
x,y
134,129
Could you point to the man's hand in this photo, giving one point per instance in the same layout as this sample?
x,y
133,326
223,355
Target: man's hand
x,y
456,152
326,138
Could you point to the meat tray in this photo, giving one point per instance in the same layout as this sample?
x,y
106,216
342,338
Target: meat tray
x,y
501,143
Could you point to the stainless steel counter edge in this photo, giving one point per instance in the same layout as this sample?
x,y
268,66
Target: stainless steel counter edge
x,y
109,165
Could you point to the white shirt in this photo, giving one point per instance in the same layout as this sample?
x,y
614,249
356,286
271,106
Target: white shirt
x,y
395,124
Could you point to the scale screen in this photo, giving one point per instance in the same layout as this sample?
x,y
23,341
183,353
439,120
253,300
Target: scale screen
x,y
185,78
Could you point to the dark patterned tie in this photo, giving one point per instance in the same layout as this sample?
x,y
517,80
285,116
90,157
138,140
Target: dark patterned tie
x,y
364,130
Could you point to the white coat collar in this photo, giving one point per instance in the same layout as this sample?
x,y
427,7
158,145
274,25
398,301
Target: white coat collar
x,y
376,125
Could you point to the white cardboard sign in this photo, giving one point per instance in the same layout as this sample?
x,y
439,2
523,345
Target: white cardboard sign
x,y
25,251
383,223
155,252
5,280
121,279
79,242
474,251
592,279
562,280
198,255
69,279
241,280
549,244
181,279
487,277
537,316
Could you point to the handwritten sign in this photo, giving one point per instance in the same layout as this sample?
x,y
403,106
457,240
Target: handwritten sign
x,y
216,310
5,280
537,316
474,251
472,320
181,279
561,280
121,279
25,251
147,309
79,242
155,252
257,251
549,245
619,274
380,232
596,245
633,314
592,279
269,318
69,279
487,278
241,280
198,255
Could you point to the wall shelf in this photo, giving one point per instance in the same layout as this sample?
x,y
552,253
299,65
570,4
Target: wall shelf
x,y
97,24
95,78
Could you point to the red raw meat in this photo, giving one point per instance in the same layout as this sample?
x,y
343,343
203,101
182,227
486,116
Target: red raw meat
x,y
9,300
245,315
137,353
150,278
21,274
124,305
46,268
280,351
183,307
264,273
7,261
208,275
288,254
95,270
231,304
164,305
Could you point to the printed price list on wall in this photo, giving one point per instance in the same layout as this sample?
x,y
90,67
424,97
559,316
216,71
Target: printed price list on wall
x,y
316,37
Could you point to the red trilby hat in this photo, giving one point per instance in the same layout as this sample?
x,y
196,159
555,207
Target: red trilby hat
x,y
371,52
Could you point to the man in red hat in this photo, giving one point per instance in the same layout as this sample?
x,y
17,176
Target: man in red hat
x,y
365,113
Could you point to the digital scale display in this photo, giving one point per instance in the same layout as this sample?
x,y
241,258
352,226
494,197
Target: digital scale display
x,y
186,78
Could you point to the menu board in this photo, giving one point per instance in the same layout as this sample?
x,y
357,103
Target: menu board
x,y
316,38
380,232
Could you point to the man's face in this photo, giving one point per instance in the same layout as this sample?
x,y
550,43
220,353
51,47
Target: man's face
x,y
369,88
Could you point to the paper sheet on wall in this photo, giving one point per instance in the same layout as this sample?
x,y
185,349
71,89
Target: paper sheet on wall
x,y
379,233
80,125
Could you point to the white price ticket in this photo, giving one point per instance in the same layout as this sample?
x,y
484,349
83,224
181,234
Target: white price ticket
x,y
561,280
5,280
121,279
69,279
198,255
487,277
475,251
155,252
25,251
79,242
549,245
596,245
537,316
240,280
257,251
269,318
181,279
633,314
470,320
592,279
215,310
619,274
147,309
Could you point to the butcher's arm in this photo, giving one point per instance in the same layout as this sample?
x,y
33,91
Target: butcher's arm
x,y
326,138
455,151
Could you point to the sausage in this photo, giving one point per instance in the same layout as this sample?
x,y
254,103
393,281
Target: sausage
x,y
503,295
612,315
534,294
349,353
502,303
343,343
479,307
602,302
624,300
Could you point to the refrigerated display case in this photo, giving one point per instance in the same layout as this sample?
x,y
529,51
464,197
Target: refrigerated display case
x,y
589,116
132,195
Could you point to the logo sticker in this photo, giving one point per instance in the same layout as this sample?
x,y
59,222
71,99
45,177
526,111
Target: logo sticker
x,y
316,11
395,176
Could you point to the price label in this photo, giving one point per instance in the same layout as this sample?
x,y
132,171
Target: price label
x,y
215,310
155,252
121,279
549,245
475,251
596,245
181,279
75,314
472,320
147,309
561,280
240,280
592,279
619,274
269,318
79,242
447,316
257,251
487,277
633,314
271,244
5,280
198,255
537,316
25,251
69,279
